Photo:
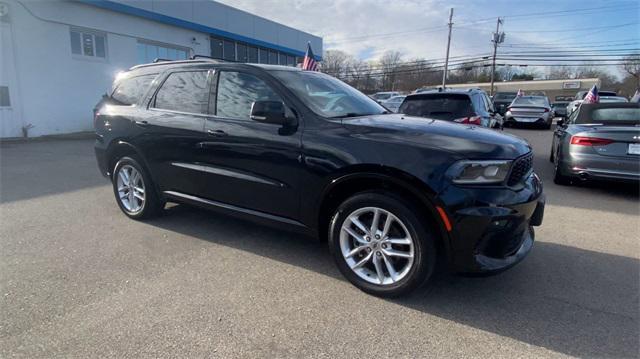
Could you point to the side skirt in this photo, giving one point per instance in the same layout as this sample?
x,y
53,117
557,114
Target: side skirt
x,y
265,218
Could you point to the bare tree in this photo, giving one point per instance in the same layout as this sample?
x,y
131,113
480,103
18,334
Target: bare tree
x,y
334,63
560,72
631,65
389,64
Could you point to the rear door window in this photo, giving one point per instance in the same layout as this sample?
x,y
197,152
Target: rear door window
x,y
131,90
441,107
184,92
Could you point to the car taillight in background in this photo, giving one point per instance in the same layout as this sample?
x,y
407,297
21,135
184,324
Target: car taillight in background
x,y
473,120
589,141
546,110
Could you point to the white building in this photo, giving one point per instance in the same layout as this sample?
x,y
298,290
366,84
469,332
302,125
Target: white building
x,y
57,58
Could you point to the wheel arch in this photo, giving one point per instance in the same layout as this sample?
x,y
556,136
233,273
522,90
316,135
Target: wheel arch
x,y
362,178
118,149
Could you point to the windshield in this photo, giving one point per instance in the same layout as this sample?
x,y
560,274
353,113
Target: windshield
x,y
630,116
504,96
328,96
530,101
440,107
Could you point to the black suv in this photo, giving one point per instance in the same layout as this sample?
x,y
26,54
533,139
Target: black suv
x,y
304,151
471,107
502,100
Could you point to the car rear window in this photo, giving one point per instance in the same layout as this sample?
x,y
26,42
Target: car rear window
x,y
505,96
130,90
440,107
530,101
630,116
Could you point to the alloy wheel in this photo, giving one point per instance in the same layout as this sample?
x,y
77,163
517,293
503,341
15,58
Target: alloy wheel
x,y
377,246
131,189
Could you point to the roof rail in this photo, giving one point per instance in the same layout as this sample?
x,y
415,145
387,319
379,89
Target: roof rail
x,y
161,62
194,57
157,59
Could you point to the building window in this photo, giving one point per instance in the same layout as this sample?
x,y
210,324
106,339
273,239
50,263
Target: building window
x,y
5,101
216,48
241,50
88,43
282,58
229,50
273,58
147,52
252,55
264,56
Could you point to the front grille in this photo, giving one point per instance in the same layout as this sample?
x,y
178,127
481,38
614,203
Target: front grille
x,y
520,169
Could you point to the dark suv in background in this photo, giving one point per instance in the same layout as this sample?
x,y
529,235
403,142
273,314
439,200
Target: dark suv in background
x,y
471,106
304,151
502,100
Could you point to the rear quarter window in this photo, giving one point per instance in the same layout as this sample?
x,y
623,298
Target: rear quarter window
x,y
441,107
130,90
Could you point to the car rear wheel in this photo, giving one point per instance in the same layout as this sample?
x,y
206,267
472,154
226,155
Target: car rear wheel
x,y
380,245
558,176
134,190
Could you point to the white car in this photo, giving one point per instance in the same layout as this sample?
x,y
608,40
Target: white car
x,y
383,96
393,104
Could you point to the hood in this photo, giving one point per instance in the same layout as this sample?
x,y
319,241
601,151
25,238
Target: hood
x,y
465,141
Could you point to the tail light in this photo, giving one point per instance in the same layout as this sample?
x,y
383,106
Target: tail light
x,y
589,141
473,120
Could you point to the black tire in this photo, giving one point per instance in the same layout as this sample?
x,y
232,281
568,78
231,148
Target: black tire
x,y
422,235
558,177
152,205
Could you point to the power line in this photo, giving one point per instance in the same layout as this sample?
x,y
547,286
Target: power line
x,y
573,30
471,23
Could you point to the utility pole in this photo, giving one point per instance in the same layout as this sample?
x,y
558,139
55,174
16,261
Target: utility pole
x,y
446,61
498,38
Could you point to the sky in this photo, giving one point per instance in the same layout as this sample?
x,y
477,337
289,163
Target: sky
x,y
418,28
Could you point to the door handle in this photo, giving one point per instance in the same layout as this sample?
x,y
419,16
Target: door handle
x,y
216,133
142,123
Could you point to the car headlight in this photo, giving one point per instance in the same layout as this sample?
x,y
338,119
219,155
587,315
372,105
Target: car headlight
x,y
479,172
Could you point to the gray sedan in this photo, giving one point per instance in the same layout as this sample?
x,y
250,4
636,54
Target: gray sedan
x,y
530,109
598,141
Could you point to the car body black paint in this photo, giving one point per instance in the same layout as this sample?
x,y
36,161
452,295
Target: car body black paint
x,y
282,175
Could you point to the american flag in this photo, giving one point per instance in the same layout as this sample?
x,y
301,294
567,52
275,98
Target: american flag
x,y
520,93
309,63
592,96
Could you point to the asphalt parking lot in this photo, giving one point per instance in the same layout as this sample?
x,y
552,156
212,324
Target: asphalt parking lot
x,y
79,279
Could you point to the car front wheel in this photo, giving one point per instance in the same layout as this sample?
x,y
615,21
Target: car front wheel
x,y
380,245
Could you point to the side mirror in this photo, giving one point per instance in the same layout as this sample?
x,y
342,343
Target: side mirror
x,y
269,112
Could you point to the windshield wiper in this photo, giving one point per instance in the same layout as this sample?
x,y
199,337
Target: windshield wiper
x,y
350,114
355,114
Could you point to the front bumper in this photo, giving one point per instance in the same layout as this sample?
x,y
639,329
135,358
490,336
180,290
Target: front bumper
x,y
492,228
